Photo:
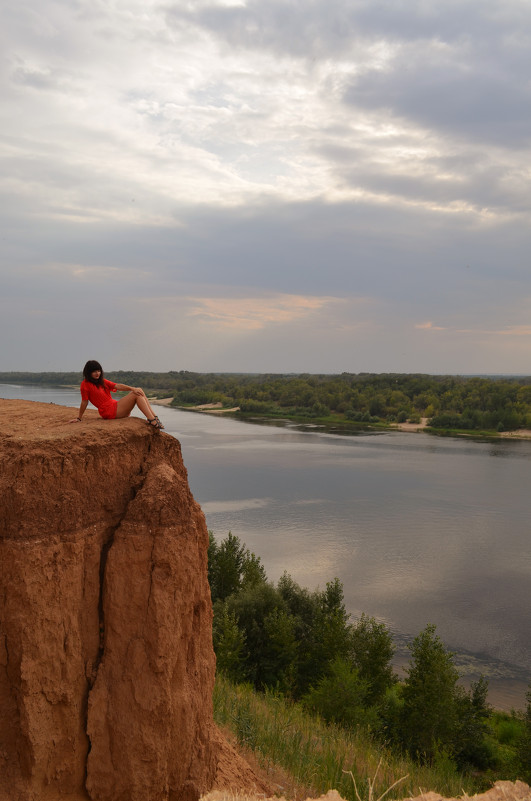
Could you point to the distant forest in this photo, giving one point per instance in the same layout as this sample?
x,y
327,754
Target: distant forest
x,y
350,400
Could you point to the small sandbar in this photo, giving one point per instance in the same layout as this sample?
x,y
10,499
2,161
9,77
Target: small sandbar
x,y
210,408
520,433
414,427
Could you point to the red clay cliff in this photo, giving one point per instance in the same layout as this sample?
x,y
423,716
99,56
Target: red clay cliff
x,y
106,660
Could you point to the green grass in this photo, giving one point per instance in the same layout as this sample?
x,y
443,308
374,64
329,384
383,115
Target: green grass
x,y
507,728
321,757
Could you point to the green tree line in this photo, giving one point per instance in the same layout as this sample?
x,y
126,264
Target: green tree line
x,y
449,402
304,645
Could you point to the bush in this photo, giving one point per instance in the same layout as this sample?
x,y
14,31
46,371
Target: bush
x,y
256,406
354,414
508,729
340,696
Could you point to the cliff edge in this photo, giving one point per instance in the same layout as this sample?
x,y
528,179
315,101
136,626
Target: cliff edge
x,y
106,660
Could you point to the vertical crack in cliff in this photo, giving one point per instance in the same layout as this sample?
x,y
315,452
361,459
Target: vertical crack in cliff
x,y
94,668
6,648
92,673
104,555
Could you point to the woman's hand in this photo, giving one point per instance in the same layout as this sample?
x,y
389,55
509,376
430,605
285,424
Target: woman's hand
x,y
138,390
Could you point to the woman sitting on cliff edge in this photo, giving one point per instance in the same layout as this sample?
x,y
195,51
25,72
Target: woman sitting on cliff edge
x,y
97,389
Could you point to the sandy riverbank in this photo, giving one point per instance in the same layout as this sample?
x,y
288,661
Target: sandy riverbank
x,y
217,408
520,433
211,408
413,427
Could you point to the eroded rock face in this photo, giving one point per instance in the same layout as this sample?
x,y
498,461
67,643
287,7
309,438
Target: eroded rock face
x,y
106,661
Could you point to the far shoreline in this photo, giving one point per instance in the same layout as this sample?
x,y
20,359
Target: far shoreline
x,y
412,428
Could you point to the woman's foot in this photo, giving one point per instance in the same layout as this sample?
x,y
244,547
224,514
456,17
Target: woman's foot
x,y
155,423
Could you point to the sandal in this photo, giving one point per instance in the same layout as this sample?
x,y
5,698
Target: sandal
x,y
158,422
154,423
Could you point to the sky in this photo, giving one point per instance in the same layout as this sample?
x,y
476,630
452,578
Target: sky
x,y
266,185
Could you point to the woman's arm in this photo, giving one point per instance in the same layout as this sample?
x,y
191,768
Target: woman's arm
x,y
82,408
125,388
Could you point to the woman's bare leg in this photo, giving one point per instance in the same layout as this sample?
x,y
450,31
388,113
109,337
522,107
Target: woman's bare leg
x,y
125,405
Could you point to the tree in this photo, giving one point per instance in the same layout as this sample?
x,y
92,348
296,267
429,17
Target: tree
x,y
524,746
305,608
255,609
231,566
330,634
340,696
212,562
372,652
279,663
429,712
226,567
253,571
229,644
470,745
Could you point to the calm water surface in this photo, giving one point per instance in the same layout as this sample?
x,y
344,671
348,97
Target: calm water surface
x,y
419,529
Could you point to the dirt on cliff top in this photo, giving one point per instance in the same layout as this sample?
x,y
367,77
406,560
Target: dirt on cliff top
x,y
27,421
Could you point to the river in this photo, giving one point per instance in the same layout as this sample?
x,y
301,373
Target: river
x,y
419,529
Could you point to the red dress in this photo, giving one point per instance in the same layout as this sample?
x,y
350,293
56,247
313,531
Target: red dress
x,y
100,397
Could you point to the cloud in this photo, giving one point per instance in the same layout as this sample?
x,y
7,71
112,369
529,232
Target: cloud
x,y
317,176
509,331
256,313
450,90
429,327
517,330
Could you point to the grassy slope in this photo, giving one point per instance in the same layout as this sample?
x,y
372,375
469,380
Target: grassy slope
x,y
320,757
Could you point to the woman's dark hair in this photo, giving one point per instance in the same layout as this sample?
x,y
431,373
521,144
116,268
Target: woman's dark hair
x,y
91,367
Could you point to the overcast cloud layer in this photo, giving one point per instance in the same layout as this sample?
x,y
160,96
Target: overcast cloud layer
x,y
263,185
